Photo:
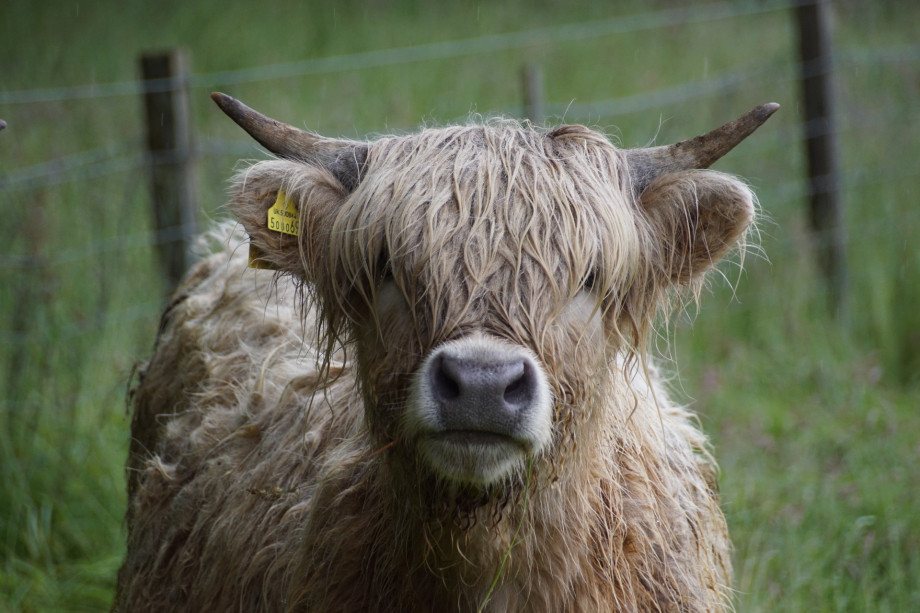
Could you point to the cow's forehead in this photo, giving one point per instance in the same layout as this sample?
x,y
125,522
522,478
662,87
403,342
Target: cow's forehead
x,y
498,186
505,217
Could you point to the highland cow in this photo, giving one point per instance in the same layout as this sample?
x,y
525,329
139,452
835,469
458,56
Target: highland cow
x,y
444,401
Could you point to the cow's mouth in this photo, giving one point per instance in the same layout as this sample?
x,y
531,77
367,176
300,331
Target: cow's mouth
x,y
472,456
478,408
474,437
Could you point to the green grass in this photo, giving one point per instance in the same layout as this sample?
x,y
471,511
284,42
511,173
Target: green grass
x,y
815,422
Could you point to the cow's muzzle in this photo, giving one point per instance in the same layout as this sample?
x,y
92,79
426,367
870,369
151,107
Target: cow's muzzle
x,y
479,407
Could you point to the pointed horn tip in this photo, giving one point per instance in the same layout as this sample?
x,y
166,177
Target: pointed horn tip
x,y
764,111
245,117
2,124
223,100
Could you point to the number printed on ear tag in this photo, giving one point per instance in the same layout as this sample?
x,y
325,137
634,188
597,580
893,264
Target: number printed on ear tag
x,y
282,217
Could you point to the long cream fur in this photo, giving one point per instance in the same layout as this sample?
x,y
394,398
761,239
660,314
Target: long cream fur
x,y
268,468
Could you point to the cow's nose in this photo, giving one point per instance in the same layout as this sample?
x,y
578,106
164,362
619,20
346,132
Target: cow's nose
x,y
489,395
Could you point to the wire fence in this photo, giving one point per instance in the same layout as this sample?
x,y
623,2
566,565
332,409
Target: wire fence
x,y
393,57
452,49
129,155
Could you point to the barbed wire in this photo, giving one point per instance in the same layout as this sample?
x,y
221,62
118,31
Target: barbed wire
x,y
113,158
137,240
795,189
73,329
239,148
16,181
68,162
658,98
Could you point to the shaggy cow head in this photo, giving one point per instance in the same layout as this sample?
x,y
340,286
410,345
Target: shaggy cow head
x,y
487,276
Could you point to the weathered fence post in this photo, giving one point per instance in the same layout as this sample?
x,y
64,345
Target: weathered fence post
x,y
826,213
533,93
171,148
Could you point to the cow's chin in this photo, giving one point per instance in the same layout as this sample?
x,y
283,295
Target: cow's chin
x,y
472,457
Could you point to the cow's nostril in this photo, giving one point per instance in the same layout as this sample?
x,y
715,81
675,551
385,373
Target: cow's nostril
x,y
444,385
516,392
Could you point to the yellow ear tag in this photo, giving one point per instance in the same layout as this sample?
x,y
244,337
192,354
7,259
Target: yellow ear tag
x,y
258,260
282,217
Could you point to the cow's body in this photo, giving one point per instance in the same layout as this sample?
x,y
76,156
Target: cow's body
x,y
294,456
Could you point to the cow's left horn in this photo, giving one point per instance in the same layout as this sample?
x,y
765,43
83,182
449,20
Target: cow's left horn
x,y
700,152
2,124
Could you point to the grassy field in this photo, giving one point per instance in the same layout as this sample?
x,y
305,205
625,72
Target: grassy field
x,y
815,420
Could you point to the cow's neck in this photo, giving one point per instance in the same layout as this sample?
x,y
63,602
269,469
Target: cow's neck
x,y
541,538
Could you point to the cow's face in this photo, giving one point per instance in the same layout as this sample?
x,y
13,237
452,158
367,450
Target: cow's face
x,y
478,266
486,276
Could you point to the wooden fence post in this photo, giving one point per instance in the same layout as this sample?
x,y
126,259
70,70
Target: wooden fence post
x,y
533,93
826,212
171,149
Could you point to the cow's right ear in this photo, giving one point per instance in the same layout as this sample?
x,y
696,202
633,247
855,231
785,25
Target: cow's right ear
x,y
287,205
287,208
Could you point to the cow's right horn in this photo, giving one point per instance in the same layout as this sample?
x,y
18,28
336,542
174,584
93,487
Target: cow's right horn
x,y
344,159
279,138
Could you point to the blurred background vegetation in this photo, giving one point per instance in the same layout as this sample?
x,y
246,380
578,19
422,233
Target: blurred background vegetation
x,y
815,420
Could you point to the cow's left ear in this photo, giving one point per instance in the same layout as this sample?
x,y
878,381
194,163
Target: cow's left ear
x,y
695,217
